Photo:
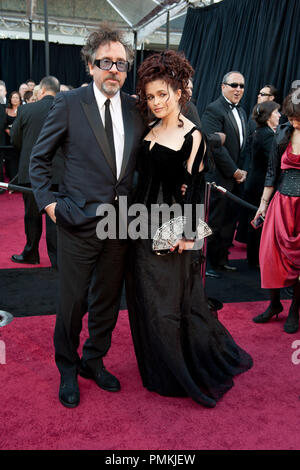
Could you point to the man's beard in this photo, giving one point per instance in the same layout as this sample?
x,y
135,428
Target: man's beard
x,y
111,90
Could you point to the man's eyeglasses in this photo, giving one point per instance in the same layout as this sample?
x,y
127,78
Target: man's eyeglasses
x,y
106,64
261,93
235,85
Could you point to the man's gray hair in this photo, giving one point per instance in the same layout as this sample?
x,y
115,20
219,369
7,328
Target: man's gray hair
x,y
227,75
2,83
50,84
101,37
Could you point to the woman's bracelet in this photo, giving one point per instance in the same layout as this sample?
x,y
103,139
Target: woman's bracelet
x,y
262,199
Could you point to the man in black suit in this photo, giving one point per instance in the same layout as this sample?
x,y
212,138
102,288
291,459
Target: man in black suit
x,y
225,115
100,129
24,134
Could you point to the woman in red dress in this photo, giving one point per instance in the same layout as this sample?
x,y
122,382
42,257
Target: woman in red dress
x,y
279,254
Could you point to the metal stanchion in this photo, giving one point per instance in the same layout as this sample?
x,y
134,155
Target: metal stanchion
x,y
213,304
206,216
14,187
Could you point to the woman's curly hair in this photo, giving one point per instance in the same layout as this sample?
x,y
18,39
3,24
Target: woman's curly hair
x,y
171,67
291,105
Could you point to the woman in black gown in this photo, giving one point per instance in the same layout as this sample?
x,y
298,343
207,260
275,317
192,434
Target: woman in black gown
x,y
181,348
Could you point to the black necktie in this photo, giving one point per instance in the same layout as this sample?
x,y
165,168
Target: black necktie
x,y
109,129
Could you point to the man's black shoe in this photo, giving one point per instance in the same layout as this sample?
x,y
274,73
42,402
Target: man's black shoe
x,y
101,376
227,267
69,395
24,260
212,273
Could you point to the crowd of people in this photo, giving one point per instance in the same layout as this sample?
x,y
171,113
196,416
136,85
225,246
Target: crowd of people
x,y
81,149
28,92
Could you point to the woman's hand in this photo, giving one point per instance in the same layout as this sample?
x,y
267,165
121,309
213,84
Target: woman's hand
x,y
262,210
264,202
183,245
183,189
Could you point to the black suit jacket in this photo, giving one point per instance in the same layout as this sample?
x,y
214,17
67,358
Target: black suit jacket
x,y
218,117
89,177
24,134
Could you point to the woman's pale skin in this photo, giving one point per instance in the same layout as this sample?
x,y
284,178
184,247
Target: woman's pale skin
x,y
163,102
15,101
273,120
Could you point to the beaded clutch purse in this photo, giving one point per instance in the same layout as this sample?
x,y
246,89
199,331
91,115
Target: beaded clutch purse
x,y
170,232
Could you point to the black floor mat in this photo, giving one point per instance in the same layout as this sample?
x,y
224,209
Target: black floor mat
x,y
33,291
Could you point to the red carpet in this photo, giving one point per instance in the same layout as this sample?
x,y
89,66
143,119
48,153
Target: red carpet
x,y
261,411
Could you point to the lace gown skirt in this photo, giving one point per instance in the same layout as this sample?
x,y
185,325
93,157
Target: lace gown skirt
x,y
181,348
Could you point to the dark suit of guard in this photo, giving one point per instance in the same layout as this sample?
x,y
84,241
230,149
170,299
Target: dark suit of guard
x,y
24,134
218,117
85,262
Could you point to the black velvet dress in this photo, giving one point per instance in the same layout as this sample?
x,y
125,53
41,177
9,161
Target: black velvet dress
x,y
181,348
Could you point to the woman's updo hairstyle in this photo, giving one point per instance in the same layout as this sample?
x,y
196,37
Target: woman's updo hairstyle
x,y
262,112
171,67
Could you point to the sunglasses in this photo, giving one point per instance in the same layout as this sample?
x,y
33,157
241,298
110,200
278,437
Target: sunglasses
x,y
264,94
106,64
235,85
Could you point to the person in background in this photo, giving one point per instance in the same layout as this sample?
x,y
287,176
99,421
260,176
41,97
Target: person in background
x,y
24,134
64,87
22,88
279,254
11,155
190,110
266,115
30,84
13,103
28,97
3,92
2,142
265,94
36,93
226,116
